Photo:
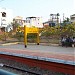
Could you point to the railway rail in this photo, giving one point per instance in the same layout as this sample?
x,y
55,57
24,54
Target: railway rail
x,y
47,65
21,70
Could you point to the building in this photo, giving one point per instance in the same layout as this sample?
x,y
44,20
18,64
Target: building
x,y
18,19
34,21
49,23
6,19
29,21
53,21
54,18
72,18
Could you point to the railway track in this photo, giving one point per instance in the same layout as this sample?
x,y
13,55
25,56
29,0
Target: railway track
x,y
21,70
66,69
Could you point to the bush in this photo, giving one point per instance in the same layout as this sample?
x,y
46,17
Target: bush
x,y
19,36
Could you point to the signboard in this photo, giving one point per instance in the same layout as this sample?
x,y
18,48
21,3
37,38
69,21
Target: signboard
x,y
30,30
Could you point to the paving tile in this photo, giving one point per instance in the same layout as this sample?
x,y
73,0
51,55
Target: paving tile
x,y
41,54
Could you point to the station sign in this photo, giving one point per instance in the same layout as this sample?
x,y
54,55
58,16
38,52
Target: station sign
x,y
30,30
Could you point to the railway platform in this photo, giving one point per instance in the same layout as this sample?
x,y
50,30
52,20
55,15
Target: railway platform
x,y
59,55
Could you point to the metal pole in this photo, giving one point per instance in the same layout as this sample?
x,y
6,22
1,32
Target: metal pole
x,y
37,38
25,37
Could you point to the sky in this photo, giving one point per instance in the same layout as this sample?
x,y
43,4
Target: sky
x,y
39,8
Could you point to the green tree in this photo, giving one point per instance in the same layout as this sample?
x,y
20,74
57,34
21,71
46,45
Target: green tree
x,y
66,20
15,25
68,29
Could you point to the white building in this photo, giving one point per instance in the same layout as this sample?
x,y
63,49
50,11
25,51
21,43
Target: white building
x,y
34,21
72,18
6,19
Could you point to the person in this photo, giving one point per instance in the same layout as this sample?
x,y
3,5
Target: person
x,y
73,41
69,42
63,41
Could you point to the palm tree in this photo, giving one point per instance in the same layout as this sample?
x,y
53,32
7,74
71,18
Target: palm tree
x,y
57,17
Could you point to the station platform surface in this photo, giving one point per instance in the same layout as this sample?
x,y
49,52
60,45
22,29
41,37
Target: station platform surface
x,y
41,52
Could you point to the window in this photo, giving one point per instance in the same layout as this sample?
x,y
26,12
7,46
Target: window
x,y
3,14
29,21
